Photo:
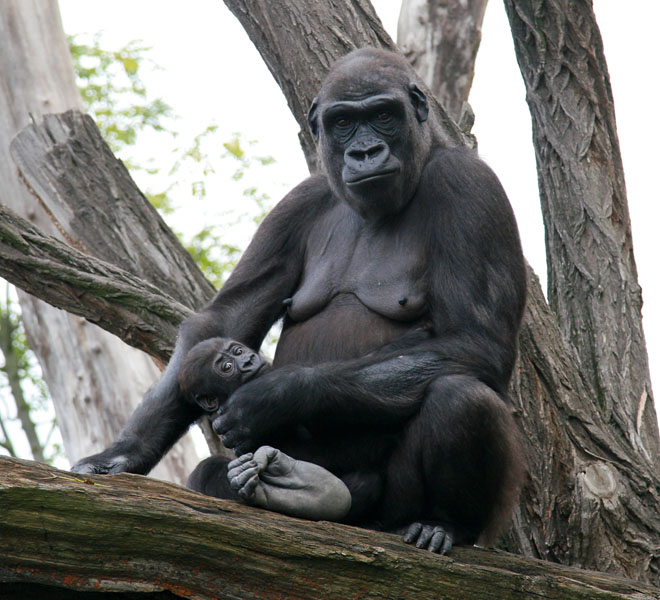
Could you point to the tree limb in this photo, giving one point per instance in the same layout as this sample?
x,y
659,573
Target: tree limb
x,y
294,59
592,277
131,534
104,294
97,207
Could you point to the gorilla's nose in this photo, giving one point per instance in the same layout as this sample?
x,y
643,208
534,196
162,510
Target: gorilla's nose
x,y
367,157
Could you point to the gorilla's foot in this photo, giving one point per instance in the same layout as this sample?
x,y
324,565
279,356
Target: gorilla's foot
x,y
273,480
434,536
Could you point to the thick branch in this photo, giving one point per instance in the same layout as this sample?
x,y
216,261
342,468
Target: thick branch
x,y
134,534
118,301
97,207
592,278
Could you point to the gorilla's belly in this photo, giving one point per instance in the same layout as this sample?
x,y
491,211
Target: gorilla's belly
x,y
344,329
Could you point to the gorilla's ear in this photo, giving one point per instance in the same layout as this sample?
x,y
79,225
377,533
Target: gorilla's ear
x,y
418,99
312,118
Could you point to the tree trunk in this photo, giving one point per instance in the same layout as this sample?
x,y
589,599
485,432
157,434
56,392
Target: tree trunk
x,y
298,52
95,381
590,500
441,39
146,538
592,278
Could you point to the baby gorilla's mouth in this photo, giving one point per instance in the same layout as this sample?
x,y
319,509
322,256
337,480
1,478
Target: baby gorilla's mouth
x,y
248,375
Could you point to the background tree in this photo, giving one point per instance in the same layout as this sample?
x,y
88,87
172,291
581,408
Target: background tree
x,y
94,379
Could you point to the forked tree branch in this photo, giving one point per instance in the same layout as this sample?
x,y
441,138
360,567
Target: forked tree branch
x,y
124,304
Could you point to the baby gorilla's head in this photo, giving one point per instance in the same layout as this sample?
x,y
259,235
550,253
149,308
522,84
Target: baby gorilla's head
x,y
216,367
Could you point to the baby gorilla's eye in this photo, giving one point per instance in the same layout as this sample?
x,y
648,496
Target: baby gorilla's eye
x,y
237,351
227,366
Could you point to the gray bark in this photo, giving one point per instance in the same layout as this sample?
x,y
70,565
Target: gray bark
x,y
102,293
592,277
441,40
94,379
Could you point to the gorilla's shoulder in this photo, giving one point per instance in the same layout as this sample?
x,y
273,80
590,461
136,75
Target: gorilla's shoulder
x,y
311,193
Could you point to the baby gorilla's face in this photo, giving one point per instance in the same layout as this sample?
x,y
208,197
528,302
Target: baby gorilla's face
x,y
216,367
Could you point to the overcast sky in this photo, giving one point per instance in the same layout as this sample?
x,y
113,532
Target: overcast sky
x,y
212,73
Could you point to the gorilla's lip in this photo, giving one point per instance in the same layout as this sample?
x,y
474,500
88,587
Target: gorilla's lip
x,y
368,177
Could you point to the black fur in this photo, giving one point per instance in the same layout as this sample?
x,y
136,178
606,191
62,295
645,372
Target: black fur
x,y
400,278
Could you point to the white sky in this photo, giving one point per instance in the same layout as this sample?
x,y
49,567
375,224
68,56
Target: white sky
x,y
212,73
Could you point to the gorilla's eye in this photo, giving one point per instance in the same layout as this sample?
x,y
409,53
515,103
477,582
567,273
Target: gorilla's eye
x,y
383,116
237,350
227,366
342,122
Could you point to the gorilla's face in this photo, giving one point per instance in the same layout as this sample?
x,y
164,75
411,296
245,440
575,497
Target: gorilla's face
x,y
370,120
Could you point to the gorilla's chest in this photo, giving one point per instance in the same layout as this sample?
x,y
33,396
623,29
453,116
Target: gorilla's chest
x,y
382,269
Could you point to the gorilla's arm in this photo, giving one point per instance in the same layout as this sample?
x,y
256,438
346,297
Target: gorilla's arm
x,y
244,310
476,298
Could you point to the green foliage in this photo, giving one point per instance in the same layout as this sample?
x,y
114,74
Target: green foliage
x,y
112,89
20,375
218,246
115,95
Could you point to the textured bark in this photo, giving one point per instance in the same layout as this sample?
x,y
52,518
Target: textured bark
x,y
97,207
137,536
592,278
117,300
590,499
94,379
298,51
441,39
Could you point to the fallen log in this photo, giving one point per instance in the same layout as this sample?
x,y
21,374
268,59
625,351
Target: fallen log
x,y
64,535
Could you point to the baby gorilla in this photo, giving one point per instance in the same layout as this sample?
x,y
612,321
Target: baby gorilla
x,y
268,478
215,368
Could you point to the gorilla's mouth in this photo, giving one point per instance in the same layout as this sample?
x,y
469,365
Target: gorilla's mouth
x,y
354,178
252,374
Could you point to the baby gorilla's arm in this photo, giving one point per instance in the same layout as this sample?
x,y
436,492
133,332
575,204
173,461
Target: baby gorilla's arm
x,y
273,480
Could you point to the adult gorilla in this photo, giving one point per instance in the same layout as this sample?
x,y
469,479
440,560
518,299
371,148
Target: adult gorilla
x,y
400,278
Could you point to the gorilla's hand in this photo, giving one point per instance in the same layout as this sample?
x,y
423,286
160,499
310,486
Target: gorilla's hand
x,y
109,461
256,409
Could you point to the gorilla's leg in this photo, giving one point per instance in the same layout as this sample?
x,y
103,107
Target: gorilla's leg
x,y
459,465
275,481
210,478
